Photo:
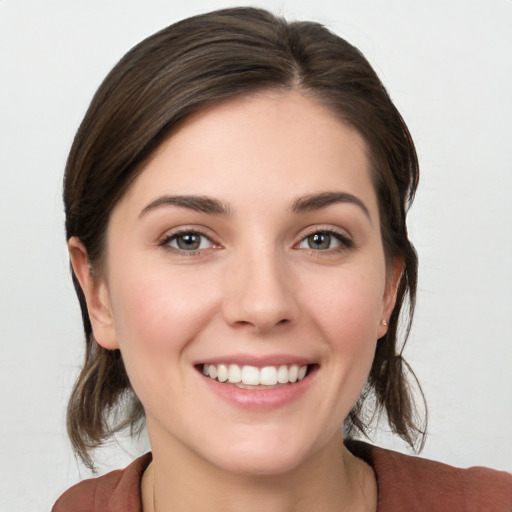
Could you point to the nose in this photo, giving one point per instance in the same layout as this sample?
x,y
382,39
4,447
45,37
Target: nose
x,y
259,292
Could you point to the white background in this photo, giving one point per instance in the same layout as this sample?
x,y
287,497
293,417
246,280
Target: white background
x,y
447,65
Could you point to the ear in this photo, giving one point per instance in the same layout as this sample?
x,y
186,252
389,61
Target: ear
x,y
394,274
96,295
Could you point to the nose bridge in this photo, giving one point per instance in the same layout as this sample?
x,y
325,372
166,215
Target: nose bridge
x,y
259,291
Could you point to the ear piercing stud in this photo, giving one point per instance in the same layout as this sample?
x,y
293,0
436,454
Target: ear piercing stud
x,y
384,323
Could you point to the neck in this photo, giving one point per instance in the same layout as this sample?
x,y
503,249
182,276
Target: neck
x,y
331,480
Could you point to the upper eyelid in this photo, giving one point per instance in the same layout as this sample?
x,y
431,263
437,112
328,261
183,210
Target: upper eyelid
x,y
173,233
345,239
207,233
199,230
311,230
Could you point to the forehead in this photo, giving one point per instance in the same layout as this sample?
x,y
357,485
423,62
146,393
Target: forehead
x,y
271,145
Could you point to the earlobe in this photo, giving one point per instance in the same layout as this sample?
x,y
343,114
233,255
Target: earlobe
x,y
96,295
390,294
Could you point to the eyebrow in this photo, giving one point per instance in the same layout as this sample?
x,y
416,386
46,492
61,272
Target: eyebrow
x,y
202,204
323,200
211,206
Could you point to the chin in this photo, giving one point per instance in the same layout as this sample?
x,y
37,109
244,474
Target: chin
x,y
261,466
260,458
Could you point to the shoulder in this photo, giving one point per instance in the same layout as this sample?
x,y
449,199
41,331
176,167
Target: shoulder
x,y
117,490
412,483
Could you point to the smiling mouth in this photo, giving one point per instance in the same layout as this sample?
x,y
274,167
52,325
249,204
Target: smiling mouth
x,y
252,377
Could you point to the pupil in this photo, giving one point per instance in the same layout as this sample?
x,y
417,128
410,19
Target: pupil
x,y
319,241
188,241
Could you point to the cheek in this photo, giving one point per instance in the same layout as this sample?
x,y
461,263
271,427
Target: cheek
x,y
158,312
157,316
348,315
348,304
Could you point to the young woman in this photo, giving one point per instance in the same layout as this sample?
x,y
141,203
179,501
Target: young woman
x,y
235,212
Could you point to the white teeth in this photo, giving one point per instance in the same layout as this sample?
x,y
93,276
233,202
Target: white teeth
x,y
254,376
250,375
268,376
293,373
212,371
222,373
234,374
282,374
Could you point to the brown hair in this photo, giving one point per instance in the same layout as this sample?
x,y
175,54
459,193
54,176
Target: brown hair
x,y
185,68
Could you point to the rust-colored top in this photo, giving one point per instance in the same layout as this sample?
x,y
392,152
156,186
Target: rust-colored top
x,y
405,484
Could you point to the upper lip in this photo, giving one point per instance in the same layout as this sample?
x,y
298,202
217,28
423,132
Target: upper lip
x,y
259,361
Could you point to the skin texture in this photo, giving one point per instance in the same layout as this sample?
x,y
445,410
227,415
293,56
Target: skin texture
x,y
256,287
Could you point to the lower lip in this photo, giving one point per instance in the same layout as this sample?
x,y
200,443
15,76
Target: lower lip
x,y
260,399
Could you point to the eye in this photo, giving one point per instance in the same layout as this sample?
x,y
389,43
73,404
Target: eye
x,y
188,241
325,241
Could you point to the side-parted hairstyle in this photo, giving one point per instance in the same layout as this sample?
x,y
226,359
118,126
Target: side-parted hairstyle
x,y
186,68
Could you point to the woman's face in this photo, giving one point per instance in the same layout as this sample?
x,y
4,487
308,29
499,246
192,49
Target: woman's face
x,y
249,247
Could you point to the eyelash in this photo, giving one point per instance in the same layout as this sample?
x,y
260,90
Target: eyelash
x,y
344,241
168,239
